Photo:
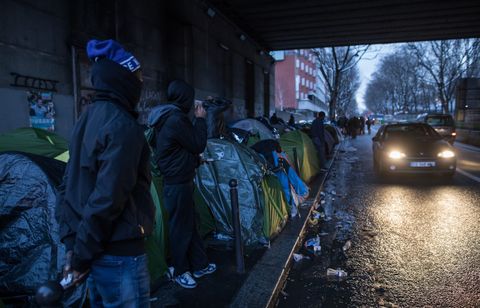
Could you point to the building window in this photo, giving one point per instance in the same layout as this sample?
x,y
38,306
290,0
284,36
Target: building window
x,y
302,66
297,83
303,81
298,94
297,63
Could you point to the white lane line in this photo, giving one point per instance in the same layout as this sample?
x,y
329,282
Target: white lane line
x,y
468,175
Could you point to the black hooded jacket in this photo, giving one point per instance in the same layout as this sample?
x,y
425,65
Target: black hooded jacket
x,y
104,204
178,142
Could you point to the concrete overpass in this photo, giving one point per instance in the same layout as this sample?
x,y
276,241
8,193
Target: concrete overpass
x,y
300,24
218,46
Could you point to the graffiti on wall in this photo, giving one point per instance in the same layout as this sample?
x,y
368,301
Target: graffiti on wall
x,y
42,110
148,99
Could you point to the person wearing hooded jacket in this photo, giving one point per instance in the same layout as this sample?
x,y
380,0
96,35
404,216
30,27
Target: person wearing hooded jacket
x,y
177,146
104,206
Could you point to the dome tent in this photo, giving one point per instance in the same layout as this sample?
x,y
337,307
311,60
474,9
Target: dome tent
x,y
307,157
30,248
35,141
254,127
262,211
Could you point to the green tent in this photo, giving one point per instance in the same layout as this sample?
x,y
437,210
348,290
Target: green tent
x,y
156,244
233,161
35,141
276,208
263,208
307,157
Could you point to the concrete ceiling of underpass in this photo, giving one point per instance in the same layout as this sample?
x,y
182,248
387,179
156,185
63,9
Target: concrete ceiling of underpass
x,y
280,24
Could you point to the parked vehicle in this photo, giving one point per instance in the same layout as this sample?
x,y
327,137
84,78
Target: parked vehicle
x,y
442,123
412,148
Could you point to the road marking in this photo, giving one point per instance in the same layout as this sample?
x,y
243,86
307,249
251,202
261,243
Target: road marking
x,y
468,175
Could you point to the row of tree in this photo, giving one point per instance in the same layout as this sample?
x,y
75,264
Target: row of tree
x,y
422,77
417,77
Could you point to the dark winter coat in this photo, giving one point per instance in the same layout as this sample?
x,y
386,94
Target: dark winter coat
x,y
318,130
104,205
177,142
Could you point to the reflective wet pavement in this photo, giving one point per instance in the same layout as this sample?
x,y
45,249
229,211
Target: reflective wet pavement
x,y
415,240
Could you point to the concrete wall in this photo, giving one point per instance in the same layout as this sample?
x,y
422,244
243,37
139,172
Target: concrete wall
x,y
175,39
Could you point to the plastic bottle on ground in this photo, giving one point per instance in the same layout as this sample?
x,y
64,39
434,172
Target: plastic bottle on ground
x,y
336,273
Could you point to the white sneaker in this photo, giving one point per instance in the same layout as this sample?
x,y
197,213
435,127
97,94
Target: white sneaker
x,y
207,270
186,280
170,271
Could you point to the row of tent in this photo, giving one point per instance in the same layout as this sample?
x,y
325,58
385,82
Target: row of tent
x,y
32,162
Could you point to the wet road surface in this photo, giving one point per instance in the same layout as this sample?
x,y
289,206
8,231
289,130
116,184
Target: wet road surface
x,y
415,240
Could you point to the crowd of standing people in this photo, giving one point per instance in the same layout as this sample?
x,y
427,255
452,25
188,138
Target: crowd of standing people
x,y
354,126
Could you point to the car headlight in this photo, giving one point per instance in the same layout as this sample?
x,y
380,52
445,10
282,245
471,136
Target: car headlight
x,y
454,134
446,154
396,155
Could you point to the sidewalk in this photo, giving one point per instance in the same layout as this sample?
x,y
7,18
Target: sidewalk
x,y
265,271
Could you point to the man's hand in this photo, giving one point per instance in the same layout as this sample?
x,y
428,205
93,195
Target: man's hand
x,y
200,112
67,268
78,278
71,277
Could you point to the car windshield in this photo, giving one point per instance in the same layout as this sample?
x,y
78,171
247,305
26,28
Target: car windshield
x,y
440,120
410,131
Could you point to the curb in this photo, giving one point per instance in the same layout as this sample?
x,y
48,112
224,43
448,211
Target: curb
x,y
286,267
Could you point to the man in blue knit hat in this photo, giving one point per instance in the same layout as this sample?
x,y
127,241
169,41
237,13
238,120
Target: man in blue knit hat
x,y
104,207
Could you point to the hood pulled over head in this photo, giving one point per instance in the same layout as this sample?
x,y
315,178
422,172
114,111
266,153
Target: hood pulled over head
x,y
113,81
181,94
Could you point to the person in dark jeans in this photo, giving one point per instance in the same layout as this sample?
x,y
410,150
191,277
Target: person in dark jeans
x,y
318,137
104,206
177,145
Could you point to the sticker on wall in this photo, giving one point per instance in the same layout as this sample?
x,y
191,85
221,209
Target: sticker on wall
x,y
42,110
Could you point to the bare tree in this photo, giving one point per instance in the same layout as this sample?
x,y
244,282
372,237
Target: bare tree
x,y
334,63
398,86
446,62
349,84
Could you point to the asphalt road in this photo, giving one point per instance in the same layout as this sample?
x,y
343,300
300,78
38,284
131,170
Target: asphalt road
x,y
415,240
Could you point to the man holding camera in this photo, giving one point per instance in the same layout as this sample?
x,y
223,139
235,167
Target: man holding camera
x,y
177,146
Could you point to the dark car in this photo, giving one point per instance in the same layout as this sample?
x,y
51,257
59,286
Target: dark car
x,y
412,148
443,124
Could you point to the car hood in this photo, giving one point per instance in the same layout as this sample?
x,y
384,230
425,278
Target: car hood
x,y
418,147
444,130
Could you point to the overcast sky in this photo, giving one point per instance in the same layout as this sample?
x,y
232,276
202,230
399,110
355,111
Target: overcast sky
x,y
368,65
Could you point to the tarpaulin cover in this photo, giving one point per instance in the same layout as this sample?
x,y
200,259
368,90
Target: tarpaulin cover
x,y
35,141
276,209
333,130
296,191
254,127
294,188
30,248
306,153
233,161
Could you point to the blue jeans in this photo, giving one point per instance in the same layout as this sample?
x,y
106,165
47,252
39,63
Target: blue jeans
x,y
117,281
